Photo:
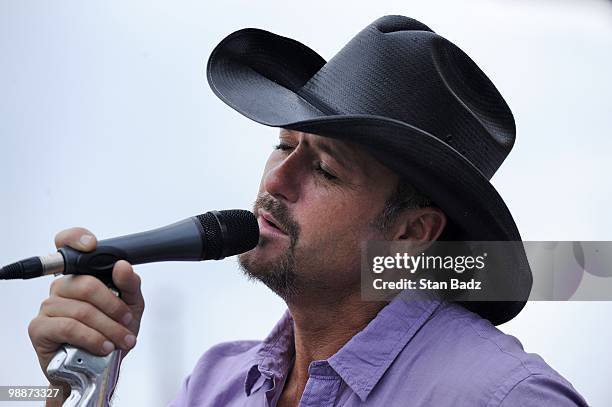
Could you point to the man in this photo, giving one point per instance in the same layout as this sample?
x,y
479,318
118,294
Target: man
x,y
393,139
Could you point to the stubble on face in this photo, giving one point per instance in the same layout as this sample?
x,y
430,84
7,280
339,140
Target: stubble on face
x,y
278,273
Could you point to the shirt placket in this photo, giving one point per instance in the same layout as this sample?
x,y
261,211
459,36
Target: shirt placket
x,y
322,386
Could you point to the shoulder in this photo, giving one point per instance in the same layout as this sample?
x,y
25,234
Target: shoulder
x,y
230,357
219,374
231,351
539,389
486,366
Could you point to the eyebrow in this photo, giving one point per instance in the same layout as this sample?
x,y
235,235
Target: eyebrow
x,y
326,148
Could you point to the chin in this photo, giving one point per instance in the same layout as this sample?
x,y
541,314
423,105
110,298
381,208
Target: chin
x,y
247,261
255,263
277,273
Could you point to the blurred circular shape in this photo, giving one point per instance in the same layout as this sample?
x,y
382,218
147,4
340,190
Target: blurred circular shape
x,y
557,269
568,266
598,258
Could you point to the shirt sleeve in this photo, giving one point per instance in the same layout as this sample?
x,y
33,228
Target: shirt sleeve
x,y
181,397
542,391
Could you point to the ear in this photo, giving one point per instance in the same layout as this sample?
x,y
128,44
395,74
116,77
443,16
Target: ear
x,y
420,225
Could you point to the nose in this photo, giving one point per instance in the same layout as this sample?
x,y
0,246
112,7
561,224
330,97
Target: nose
x,y
284,177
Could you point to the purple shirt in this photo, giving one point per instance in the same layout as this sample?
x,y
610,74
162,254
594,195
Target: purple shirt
x,y
413,353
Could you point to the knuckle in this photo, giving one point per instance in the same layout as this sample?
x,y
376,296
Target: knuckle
x,y
67,326
89,339
33,328
83,312
88,286
47,303
53,287
118,309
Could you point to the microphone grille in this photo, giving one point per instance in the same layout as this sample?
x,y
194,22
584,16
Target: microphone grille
x,y
228,232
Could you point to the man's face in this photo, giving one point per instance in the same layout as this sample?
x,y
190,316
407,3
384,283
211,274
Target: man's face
x,y
317,201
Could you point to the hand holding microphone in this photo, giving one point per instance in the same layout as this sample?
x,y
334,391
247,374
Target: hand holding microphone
x,y
82,311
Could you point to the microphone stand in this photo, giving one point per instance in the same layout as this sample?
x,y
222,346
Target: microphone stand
x,y
92,378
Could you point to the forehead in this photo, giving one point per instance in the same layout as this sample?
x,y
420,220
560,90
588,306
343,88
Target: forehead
x,y
350,155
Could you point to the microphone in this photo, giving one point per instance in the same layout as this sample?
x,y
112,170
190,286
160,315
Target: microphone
x,y
213,235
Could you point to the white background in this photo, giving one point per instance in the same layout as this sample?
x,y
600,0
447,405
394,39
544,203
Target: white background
x,y
106,121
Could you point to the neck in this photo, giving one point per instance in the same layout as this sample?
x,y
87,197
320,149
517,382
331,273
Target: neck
x,y
321,328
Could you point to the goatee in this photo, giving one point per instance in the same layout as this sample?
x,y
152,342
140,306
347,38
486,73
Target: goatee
x,y
279,273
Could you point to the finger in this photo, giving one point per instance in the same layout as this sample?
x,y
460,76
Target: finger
x,y
77,238
93,291
49,333
128,284
89,315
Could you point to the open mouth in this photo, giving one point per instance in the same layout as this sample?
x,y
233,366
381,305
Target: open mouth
x,y
270,222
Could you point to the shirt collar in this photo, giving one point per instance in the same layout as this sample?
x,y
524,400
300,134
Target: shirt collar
x,y
274,355
380,342
365,358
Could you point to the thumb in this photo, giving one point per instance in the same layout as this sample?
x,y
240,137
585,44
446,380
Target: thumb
x,y
77,238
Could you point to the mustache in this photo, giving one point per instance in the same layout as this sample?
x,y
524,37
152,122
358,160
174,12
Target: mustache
x,y
280,212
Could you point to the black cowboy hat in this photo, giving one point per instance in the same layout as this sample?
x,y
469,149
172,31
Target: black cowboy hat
x,y
413,99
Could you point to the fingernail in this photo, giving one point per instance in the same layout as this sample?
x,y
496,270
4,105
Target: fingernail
x,y
130,340
127,318
108,347
86,239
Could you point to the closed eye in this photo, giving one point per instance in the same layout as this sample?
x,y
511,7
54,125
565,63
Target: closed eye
x,y
319,166
322,171
283,147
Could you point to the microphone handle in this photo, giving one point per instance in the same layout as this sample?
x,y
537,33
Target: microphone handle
x,y
180,241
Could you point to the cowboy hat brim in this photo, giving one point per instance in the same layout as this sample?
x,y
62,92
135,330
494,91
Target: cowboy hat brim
x,y
260,74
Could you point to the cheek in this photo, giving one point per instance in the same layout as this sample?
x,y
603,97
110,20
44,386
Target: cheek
x,y
330,243
335,222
